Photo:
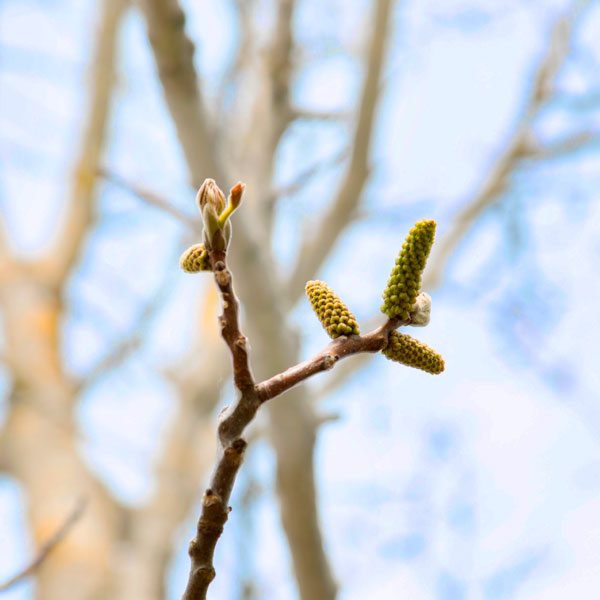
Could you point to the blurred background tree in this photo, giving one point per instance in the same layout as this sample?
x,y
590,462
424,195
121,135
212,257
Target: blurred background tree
x,y
348,121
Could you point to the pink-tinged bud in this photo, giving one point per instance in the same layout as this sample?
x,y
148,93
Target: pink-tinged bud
x,y
210,193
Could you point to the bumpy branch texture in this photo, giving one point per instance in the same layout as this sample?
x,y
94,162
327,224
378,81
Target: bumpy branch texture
x,y
231,446
339,324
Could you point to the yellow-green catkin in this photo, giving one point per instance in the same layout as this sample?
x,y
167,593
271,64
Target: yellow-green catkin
x,y
410,352
195,259
405,279
332,312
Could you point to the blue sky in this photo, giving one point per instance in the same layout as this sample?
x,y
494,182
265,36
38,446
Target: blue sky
x,y
481,483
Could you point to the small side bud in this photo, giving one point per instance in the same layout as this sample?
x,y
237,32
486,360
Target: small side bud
x,y
410,352
421,313
331,311
195,259
210,193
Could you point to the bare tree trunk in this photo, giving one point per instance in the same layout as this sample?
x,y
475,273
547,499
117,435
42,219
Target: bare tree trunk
x,y
40,440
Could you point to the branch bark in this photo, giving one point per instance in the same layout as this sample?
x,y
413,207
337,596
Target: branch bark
x,y
274,345
234,419
293,424
342,347
231,446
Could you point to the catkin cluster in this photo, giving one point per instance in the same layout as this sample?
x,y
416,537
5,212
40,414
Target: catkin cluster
x,y
332,312
405,279
410,352
195,259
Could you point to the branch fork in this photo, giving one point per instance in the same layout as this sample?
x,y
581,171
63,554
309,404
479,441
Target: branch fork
x,y
339,323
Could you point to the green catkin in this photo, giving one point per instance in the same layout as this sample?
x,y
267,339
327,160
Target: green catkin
x,y
410,352
332,312
404,284
195,259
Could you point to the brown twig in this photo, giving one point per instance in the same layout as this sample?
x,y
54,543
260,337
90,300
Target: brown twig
x,y
234,420
47,548
374,341
231,446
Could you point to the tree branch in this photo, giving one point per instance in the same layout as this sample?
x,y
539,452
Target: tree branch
x,y
81,210
521,146
231,446
234,419
302,178
149,197
315,251
174,56
340,348
47,548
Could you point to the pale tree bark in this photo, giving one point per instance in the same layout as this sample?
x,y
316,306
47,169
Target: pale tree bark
x,y
40,438
293,422
148,547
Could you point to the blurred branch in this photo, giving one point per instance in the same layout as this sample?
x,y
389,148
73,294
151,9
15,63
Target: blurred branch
x,y
280,68
43,393
244,53
521,146
174,57
563,146
304,177
293,423
149,197
278,63
188,452
314,252
264,307
81,202
129,343
47,548
7,260
318,115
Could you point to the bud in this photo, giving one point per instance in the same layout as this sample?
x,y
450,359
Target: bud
x,y
421,312
410,352
331,311
405,279
210,193
210,219
235,195
195,259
